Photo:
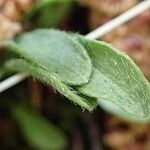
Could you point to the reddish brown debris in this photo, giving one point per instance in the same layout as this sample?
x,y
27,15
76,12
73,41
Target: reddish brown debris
x,y
8,28
109,7
121,135
11,12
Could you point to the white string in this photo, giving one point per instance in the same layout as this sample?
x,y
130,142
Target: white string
x,y
116,22
11,81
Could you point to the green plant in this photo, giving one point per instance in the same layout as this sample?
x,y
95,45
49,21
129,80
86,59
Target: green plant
x,y
39,133
87,72
48,13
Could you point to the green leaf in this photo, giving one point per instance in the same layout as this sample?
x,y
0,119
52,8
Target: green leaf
x,y
56,52
117,79
37,131
119,112
64,61
51,79
48,13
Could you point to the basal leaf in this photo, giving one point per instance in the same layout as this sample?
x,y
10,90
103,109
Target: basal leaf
x,y
57,52
64,61
51,79
37,131
117,79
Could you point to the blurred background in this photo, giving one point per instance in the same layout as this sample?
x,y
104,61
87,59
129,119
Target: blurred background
x,y
36,117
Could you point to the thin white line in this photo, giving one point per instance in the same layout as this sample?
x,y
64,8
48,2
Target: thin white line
x,y
131,13
11,81
116,22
